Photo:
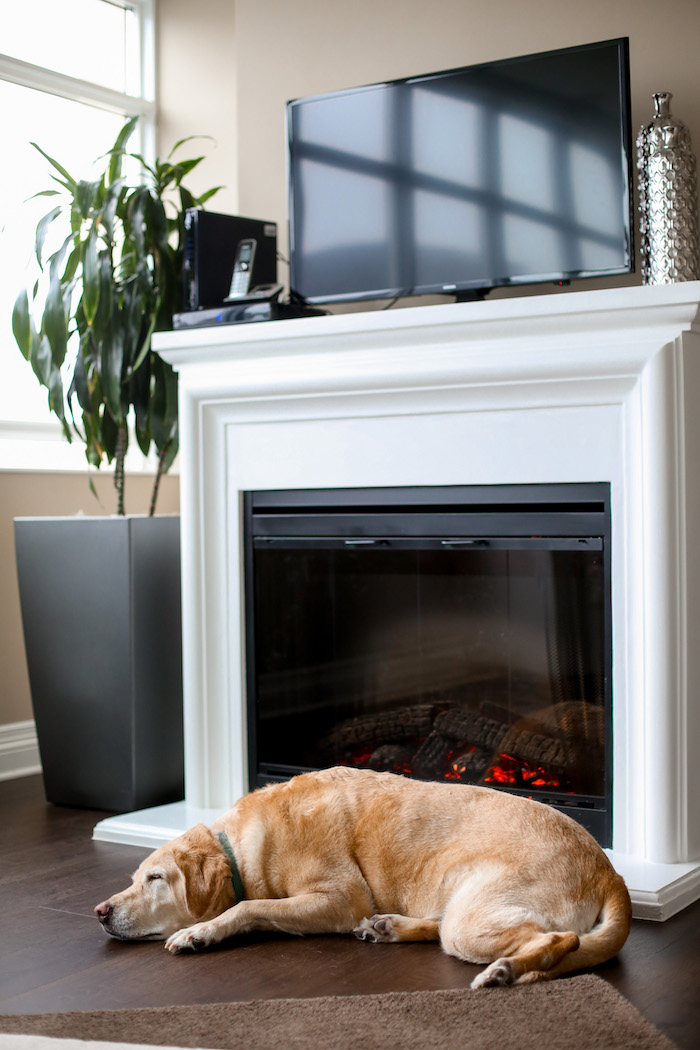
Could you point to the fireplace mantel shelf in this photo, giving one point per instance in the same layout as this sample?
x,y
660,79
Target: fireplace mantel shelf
x,y
597,386
541,339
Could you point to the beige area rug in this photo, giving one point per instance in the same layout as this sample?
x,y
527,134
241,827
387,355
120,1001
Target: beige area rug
x,y
581,1013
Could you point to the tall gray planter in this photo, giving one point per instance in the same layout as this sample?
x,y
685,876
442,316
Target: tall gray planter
x,y
102,627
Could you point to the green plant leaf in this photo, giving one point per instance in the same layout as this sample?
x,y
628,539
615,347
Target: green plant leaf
x,y
91,276
109,209
170,281
140,395
135,225
87,196
56,402
187,201
40,358
131,320
72,264
55,326
108,297
189,138
176,172
204,197
41,231
69,180
147,167
93,454
146,342
69,187
107,433
172,448
55,261
164,403
157,225
117,151
44,193
79,384
22,324
111,368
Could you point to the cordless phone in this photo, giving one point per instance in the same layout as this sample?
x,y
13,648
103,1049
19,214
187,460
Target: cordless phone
x,y
242,269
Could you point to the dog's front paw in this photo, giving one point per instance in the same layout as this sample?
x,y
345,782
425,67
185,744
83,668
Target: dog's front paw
x,y
379,929
498,973
191,939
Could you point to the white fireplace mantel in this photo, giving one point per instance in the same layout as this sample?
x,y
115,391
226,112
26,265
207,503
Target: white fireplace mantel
x,y
572,387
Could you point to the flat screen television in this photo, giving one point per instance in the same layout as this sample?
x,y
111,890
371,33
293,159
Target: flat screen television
x,y
506,173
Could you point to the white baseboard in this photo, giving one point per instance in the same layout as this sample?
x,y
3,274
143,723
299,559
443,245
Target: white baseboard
x,y
19,751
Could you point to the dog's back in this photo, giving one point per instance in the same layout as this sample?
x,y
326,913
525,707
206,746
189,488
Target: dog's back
x,y
414,841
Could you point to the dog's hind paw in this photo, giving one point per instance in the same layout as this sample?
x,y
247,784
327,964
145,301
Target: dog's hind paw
x,y
379,929
498,973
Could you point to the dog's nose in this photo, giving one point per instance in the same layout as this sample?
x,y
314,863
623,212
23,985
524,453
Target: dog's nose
x,y
103,911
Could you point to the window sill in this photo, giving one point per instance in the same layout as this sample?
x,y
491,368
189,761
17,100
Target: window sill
x,y
41,447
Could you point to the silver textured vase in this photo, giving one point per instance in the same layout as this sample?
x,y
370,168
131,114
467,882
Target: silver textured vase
x,y
668,198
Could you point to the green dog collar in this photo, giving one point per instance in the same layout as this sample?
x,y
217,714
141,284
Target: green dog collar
x,y
235,870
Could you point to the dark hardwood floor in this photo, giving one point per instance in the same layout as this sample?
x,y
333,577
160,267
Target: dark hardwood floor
x,y
55,957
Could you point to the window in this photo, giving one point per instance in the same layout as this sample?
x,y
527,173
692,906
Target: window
x,y
67,87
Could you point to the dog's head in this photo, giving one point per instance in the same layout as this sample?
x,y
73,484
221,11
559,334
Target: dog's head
x,y
185,881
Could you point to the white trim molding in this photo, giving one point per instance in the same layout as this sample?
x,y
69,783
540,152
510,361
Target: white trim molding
x,y
19,751
26,74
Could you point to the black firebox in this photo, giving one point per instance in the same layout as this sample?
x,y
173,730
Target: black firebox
x,y
443,633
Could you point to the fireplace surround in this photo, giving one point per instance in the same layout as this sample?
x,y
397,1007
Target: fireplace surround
x,y
572,388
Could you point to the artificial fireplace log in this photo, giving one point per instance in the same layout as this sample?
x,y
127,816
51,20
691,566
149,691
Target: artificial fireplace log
x,y
392,758
429,760
564,741
555,737
394,726
570,733
438,757
459,723
577,728
553,755
458,726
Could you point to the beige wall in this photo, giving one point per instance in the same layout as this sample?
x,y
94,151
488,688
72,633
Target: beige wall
x,y
196,84
44,495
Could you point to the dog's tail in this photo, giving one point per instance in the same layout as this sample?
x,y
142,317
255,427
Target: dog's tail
x,y
602,942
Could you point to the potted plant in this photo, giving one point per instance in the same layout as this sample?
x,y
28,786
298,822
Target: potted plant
x,y
101,596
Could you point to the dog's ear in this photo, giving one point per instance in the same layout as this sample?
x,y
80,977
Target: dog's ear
x,y
205,872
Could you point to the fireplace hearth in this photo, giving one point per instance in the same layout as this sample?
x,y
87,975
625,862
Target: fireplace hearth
x,y
458,633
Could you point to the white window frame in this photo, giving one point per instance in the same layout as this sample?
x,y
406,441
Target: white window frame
x,y
41,446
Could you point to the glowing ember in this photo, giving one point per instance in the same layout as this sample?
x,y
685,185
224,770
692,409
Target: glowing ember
x,y
456,764
505,771
517,773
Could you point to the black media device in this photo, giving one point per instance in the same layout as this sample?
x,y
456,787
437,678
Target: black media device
x,y
507,173
226,257
259,306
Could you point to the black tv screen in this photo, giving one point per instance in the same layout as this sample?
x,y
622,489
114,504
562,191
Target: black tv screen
x,y
505,173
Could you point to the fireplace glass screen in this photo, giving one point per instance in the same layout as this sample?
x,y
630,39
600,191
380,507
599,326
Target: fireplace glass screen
x,y
475,658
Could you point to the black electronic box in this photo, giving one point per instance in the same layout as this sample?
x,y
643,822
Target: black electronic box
x,y
226,258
